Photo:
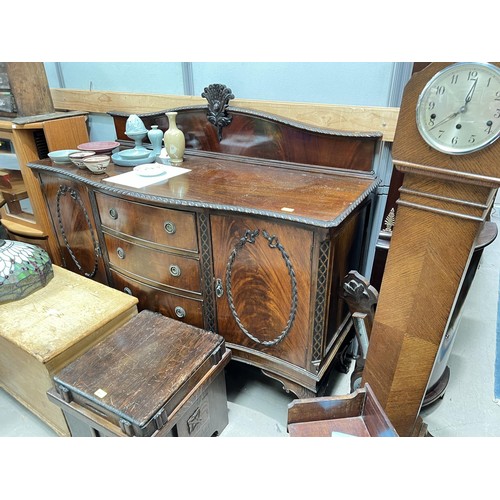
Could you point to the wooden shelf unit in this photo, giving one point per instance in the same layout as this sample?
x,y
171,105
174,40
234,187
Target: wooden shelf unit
x,y
33,137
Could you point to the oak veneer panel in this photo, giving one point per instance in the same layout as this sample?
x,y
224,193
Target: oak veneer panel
x,y
443,204
60,133
66,133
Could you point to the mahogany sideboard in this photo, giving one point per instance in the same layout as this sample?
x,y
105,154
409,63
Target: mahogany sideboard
x,y
253,242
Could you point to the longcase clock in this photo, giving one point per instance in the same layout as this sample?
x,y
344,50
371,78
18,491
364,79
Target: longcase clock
x,y
447,146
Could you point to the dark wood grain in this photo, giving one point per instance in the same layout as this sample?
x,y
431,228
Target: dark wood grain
x,y
275,297
257,135
123,217
153,264
72,218
160,300
230,184
358,414
149,364
208,395
261,286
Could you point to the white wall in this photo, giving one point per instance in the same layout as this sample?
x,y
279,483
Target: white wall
x,y
356,83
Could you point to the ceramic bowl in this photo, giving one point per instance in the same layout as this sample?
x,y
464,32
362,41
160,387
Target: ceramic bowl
x,y
78,157
97,164
134,154
99,147
62,155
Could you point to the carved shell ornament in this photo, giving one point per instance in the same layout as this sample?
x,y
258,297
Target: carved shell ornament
x,y
218,97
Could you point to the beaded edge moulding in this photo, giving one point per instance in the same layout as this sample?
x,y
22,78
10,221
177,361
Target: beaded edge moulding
x,y
24,268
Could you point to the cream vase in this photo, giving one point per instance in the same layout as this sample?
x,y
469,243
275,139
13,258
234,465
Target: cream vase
x,y
175,142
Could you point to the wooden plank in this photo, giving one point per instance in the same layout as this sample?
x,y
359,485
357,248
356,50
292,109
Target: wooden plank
x,y
332,116
30,87
22,229
35,120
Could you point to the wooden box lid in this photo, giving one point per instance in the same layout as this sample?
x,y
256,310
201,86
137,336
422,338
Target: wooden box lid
x,y
56,318
138,375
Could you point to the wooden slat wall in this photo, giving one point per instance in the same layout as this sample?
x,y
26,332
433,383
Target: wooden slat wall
x,y
332,116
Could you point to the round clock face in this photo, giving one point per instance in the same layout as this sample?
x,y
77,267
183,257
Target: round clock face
x,y
458,111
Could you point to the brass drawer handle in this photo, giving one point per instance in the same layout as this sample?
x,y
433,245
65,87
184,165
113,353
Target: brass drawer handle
x,y
175,270
180,312
120,252
169,227
113,213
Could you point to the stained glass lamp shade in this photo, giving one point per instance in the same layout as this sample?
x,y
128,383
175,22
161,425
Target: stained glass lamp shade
x,y
24,268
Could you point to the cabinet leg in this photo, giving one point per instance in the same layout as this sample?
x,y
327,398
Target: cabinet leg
x,y
289,386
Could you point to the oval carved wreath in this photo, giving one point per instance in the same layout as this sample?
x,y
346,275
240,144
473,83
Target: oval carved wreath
x,y
63,190
250,237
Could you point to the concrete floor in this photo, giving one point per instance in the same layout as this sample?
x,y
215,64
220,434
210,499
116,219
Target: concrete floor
x,y
258,405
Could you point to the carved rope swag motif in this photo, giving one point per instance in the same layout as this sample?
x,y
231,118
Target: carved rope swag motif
x,y
250,237
218,97
63,190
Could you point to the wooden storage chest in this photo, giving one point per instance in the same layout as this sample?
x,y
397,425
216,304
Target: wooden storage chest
x,y
49,328
154,376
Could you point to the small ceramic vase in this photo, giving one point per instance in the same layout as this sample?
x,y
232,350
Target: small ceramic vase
x,y
175,142
155,136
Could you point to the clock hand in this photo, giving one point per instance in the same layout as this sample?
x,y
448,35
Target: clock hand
x,y
469,95
449,117
462,109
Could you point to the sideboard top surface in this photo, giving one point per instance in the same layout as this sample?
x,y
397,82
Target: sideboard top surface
x,y
320,199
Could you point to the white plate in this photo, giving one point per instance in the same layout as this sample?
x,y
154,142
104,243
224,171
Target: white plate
x,y
149,169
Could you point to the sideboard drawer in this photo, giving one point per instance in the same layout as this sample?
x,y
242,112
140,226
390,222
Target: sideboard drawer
x,y
174,306
162,267
162,226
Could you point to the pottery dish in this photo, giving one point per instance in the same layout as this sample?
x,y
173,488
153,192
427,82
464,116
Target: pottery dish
x,y
62,155
99,147
134,154
78,157
150,170
97,164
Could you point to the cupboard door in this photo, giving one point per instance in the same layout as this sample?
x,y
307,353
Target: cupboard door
x,y
72,218
263,278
